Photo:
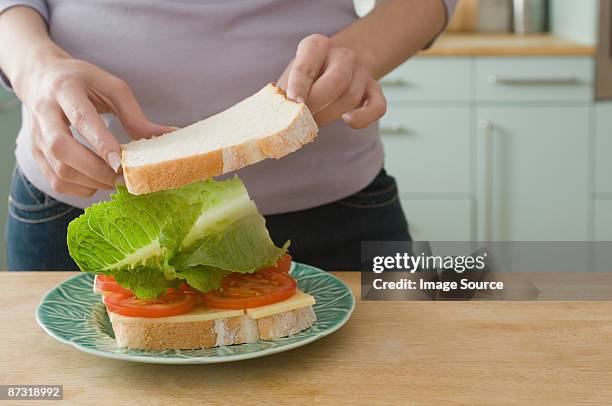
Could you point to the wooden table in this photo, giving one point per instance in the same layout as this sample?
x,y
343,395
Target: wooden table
x,y
389,352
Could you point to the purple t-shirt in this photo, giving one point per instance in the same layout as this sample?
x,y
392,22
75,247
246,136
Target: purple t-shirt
x,y
186,60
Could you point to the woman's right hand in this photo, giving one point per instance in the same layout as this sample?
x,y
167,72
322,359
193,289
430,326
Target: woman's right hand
x,y
60,91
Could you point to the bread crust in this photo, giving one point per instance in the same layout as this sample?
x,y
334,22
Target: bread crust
x,y
171,174
151,335
179,172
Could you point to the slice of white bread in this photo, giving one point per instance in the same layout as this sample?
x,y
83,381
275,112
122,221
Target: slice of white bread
x,y
264,125
204,327
150,334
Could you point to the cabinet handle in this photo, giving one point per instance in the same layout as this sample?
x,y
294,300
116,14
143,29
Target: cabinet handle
x,y
535,81
8,105
395,82
394,128
487,127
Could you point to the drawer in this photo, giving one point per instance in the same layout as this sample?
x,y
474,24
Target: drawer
x,y
603,147
603,220
439,220
429,79
428,150
534,79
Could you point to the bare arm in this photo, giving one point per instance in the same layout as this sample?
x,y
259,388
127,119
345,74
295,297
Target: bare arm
x,y
60,91
336,76
393,32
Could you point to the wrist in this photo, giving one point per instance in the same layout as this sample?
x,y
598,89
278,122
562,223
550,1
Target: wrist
x,y
34,60
365,57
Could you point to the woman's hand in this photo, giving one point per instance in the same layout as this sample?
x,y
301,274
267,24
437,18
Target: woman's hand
x,y
335,82
61,91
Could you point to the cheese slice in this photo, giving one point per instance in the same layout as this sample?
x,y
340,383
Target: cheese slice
x,y
297,301
198,313
203,312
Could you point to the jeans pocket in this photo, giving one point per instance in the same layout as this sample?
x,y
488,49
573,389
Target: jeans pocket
x,y
30,205
381,192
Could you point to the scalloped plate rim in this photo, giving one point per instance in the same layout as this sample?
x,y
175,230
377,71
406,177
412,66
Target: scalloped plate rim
x,y
199,360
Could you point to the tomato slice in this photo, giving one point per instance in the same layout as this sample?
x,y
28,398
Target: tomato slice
x,y
187,289
243,291
107,283
284,264
171,304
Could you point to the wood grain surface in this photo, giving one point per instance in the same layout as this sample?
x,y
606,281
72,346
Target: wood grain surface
x,y
506,45
388,353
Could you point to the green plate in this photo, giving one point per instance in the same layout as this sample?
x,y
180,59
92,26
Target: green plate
x,y
72,314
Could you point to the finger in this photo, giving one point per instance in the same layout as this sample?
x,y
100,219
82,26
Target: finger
x,y
56,183
83,115
349,101
334,81
119,97
309,60
58,143
373,108
63,171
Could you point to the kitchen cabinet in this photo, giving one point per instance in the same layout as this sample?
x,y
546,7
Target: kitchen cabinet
x,y
533,167
428,135
10,119
535,79
430,80
603,220
425,148
501,149
438,219
603,148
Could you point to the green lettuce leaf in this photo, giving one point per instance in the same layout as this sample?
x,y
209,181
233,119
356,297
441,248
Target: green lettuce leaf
x,y
147,281
202,278
196,233
239,245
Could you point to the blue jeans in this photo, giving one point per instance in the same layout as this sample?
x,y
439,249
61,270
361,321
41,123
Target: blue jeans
x,y
36,229
327,236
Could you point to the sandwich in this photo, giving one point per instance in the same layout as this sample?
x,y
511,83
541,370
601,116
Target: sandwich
x,y
264,125
189,268
183,261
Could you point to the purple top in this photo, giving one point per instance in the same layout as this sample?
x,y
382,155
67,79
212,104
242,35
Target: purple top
x,y
186,60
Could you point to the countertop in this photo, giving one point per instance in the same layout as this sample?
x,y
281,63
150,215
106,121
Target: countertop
x,y
389,352
506,45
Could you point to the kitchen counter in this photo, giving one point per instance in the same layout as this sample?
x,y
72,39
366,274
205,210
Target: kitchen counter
x,y
506,45
390,352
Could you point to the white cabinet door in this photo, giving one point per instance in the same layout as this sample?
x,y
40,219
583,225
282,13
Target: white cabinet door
x,y
439,220
533,171
428,149
603,147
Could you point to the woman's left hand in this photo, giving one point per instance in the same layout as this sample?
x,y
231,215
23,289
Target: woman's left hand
x,y
334,81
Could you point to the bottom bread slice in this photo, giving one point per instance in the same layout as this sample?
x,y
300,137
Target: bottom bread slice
x,y
153,335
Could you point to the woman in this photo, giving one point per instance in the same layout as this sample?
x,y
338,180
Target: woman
x,y
94,74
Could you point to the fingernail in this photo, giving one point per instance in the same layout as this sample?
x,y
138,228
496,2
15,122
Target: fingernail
x,y
346,117
119,180
299,99
114,161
